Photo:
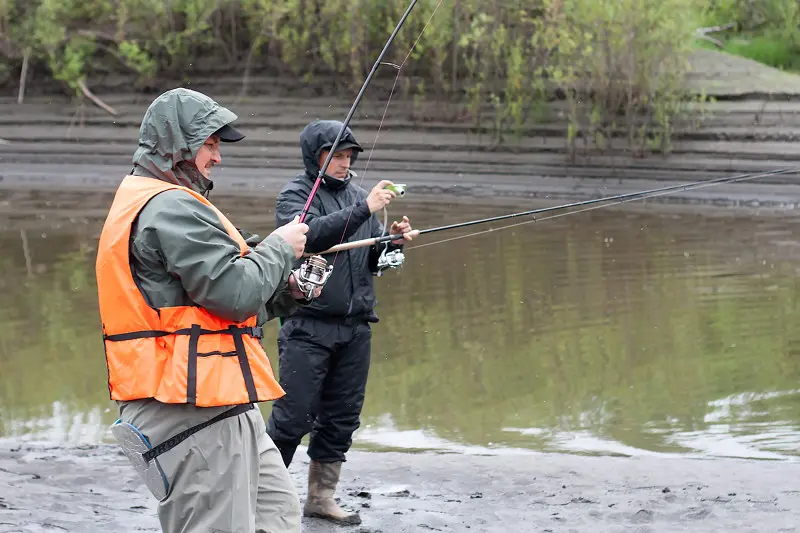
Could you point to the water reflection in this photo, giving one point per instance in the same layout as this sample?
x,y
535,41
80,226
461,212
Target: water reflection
x,y
618,332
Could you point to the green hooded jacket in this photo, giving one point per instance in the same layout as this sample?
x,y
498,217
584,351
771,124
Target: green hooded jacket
x,y
180,252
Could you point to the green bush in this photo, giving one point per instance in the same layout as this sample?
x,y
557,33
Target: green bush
x,y
767,31
617,65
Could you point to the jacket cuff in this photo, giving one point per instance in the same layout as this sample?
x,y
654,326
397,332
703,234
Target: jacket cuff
x,y
282,304
362,210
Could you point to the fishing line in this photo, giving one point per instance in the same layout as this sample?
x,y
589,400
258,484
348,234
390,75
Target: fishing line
x,y
606,201
613,200
638,194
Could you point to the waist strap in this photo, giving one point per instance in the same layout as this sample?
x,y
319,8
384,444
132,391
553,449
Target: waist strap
x,y
183,435
255,331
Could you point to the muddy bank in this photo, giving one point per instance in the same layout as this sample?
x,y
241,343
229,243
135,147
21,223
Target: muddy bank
x,y
50,142
93,489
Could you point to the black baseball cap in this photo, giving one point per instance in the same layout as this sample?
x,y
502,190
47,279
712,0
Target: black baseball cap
x,y
229,134
343,145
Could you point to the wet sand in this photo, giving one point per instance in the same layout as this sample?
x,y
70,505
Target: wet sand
x,y
93,489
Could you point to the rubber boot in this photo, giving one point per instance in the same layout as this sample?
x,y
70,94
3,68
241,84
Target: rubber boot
x,y
322,480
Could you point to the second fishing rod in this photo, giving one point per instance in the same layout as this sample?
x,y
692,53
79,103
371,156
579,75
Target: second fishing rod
x,y
611,200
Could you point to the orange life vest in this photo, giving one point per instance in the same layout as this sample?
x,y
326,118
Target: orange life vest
x,y
181,354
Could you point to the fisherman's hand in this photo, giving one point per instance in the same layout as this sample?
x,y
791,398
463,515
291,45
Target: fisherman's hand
x,y
294,233
295,291
379,197
403,228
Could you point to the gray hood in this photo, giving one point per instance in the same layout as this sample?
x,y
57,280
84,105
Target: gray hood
x,y
173,129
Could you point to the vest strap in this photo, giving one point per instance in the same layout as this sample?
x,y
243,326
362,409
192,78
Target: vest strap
x,y
244,363
254,331
191,376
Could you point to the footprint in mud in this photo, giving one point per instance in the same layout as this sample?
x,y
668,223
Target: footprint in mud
x,y
698,514
642,516
6,506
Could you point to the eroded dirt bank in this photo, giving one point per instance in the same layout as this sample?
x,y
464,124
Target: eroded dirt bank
x,y
49,142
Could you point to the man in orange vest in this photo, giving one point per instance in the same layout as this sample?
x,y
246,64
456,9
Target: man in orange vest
x,y
182,299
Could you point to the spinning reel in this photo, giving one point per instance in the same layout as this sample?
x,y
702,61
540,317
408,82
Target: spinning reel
x,y
393,259
312,274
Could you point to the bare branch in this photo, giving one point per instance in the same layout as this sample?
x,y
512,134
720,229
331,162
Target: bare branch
x,y
97,35
702,33
715,29
23,77
98,102
712,40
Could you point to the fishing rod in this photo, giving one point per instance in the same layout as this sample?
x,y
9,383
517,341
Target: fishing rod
x,y
353,107
315,271
619,198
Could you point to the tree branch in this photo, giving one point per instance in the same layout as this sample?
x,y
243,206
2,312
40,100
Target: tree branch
x,y
98,102
103,36
23,77
714,29
712,40
702,33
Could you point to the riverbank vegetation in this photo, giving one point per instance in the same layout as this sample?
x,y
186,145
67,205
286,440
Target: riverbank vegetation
x,y
615,67
767,31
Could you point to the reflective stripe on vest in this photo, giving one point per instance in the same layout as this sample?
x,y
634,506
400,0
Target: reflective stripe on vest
x,y
181,354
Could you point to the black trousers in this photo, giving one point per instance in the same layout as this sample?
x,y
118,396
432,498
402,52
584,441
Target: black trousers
x,y
323,368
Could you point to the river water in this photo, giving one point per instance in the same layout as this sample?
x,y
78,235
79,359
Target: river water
x,y
619,331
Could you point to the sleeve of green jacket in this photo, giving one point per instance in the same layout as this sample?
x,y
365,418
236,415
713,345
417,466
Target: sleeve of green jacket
x,y
282,303
195,247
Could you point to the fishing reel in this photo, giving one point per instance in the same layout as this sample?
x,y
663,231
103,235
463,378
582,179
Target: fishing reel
x,y
312,273
393,259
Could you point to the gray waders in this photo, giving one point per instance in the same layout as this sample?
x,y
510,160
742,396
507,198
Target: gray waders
x,y
212,469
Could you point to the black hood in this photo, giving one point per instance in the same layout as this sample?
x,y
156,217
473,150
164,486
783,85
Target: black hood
x,y
319,136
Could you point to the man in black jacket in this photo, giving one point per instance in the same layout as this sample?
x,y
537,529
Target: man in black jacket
x,y
324,348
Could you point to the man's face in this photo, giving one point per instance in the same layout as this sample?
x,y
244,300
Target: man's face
x,y
339,165
208,156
